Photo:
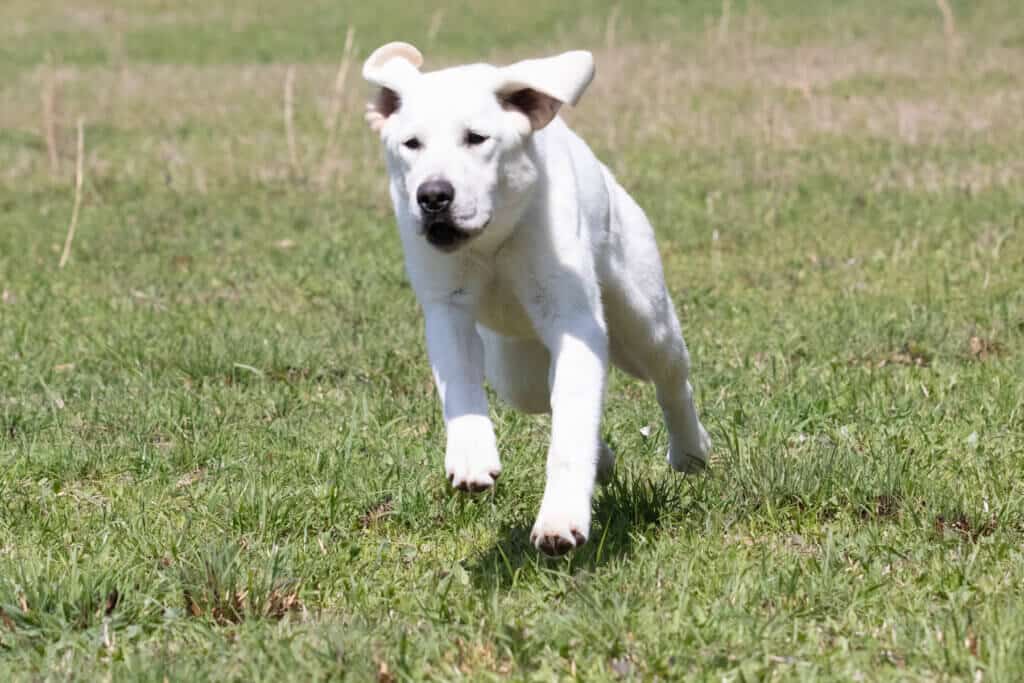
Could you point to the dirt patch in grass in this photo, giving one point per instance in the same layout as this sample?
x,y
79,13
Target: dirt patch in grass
x,y
982,349
377,513
882,507
235,606
961,525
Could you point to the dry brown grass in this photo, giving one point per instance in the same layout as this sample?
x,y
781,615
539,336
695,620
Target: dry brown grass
x,y
953,42
787,97
338,103
77,205
726,87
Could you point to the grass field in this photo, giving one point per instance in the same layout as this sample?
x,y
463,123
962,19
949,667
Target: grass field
x,y
220,452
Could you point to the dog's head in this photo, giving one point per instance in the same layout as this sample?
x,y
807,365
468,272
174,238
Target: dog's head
x,y
456,140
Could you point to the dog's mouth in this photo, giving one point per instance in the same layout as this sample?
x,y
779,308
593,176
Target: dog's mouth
x,y
444,235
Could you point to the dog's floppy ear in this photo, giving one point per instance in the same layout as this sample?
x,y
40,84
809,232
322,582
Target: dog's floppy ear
x,y
391,67
538,87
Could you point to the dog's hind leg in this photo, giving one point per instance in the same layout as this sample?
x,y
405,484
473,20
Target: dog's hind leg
x,y
646,339
656,348
689,443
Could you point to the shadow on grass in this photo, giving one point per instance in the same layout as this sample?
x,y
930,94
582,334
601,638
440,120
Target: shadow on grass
x,y
628,511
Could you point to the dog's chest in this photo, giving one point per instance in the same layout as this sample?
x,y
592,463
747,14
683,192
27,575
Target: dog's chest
x,y
500,310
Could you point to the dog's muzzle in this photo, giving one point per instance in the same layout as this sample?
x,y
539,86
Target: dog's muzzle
x,y
435,198
443,234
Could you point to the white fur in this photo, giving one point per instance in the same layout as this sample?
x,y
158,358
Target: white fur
x,y
557,274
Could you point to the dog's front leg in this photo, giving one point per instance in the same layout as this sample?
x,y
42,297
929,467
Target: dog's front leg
x,y
457,360
578,342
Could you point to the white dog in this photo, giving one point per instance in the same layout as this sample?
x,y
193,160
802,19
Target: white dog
x,y
533,267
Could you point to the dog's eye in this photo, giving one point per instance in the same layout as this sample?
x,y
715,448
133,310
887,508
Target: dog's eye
x,y
413,143
473,139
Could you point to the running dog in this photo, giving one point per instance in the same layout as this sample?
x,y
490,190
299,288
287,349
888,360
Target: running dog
x,y
533,267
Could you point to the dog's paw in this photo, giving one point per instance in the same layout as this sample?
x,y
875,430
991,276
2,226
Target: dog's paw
x,y
472,473
472,469
692,456
471,460
563,523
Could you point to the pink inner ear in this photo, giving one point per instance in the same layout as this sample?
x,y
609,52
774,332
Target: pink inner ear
x,y
537,106
386,103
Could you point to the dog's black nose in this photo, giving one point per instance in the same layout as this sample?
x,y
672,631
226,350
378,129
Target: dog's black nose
x,y
434,196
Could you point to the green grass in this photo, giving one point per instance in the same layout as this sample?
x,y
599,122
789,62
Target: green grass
x,y
220,452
